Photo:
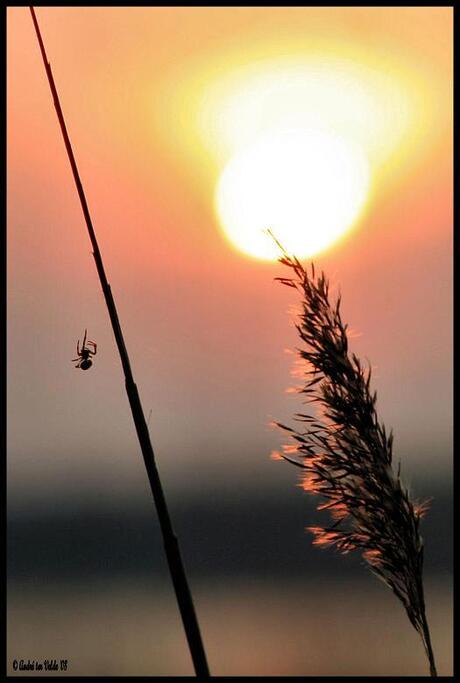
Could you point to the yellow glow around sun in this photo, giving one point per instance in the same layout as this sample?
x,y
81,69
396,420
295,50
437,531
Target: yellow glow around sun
x,y
367,106
302,141
352,119
306,185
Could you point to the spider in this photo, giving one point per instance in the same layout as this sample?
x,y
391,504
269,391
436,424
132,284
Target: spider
x,y
83,354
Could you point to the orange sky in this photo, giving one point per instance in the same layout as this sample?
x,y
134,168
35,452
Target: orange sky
x,y
147,96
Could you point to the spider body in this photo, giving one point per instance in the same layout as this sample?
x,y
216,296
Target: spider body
x,y
88,349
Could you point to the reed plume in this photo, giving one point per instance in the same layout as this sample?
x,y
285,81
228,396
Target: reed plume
x,y
346,454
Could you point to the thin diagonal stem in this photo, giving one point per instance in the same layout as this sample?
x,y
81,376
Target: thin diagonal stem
x,y
426,632
171,545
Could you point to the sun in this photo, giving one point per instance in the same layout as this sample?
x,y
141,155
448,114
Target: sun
x,y
307,185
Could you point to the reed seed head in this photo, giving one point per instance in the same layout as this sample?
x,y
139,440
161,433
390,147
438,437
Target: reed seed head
x,y
346,454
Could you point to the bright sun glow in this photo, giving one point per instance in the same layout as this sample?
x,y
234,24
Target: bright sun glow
x,y
307,185
295,139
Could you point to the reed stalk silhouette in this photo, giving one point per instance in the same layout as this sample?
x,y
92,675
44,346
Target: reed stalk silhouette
x,y
346,454
170,541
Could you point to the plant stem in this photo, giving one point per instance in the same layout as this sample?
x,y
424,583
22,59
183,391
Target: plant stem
x,y
429,649
170,541
426,632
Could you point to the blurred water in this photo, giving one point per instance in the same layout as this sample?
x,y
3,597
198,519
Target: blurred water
x,y
252,626
88,582
257,532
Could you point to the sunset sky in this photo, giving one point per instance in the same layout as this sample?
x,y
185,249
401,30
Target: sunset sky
x,y
194,129
157,102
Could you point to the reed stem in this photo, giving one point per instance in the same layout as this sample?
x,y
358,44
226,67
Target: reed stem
x,y
426,632
170,541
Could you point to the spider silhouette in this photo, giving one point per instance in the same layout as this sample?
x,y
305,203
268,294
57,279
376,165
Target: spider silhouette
x,y
84,354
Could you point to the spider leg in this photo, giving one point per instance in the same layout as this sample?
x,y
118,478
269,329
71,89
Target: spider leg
x,y
75,359
84,339
95,347
78,347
